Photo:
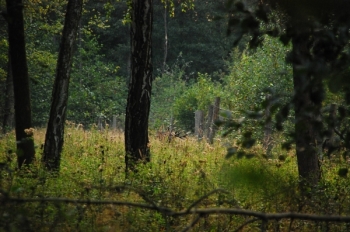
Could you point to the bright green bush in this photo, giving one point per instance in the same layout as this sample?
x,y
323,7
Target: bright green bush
x,y
197,97
254,75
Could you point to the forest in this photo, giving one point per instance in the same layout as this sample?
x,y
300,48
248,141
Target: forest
x,y
174,115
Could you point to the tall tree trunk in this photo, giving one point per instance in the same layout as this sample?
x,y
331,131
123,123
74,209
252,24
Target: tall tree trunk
x,y
165,35
23,115
9,106
140,86
307,115
55,128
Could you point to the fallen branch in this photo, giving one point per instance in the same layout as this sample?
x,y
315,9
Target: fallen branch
x,y
198,211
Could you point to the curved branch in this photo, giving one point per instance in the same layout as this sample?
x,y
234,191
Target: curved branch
x,y
205,196
200,212
265,216
246,223
88,202
187,228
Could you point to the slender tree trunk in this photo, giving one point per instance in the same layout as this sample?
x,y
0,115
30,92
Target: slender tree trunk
x,y
165,36
9,106
55,128
215,116
140,86
267,141
23,115
307,115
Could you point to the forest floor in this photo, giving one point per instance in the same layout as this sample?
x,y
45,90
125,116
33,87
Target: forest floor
x,y
91,192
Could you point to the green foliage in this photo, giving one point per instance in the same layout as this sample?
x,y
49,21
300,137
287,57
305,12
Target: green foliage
x,y
41,69
206,43
179,173
165,90
197,97
254,71
259,80
96,89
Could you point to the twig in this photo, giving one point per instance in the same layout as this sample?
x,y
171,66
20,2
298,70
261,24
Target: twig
x,y
88,202
121,188
203,197
266,216
246,223
187,228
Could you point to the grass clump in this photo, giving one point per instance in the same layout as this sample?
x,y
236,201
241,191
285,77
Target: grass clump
x,y
180,172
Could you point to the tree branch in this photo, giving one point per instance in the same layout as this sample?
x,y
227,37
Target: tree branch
x,y
203,197
187,228
200,212
246,223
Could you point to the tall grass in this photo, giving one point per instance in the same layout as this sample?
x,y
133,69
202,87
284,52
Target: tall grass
x,y
180,172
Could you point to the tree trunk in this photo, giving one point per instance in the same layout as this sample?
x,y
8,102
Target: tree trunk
x,y
23,115
198,128
215,116
9,105
307,115
140,86
55,128
165,36
267,141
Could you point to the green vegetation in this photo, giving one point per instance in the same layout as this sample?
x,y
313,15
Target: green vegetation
x,y
193,62
180,173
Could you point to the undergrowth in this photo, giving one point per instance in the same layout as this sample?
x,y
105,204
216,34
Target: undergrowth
x,y
180,172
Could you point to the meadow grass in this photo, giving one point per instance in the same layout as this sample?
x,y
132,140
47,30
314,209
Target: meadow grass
x,y
180,172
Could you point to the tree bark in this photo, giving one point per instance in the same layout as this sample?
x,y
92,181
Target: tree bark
x,y
140,86
55,129
9,105
307,115
215,116
267,141
23,115
165,35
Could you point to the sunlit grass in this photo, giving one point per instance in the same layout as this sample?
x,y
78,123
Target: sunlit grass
x,y
180,172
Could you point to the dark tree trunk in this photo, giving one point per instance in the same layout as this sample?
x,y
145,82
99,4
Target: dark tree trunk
x,y
23,115
308,123
55,128
140,86
9,105
165,36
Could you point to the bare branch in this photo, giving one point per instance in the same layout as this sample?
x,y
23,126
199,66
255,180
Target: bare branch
x,y
266,216
122,188
246,223
205,196
187,228
200,212
87,202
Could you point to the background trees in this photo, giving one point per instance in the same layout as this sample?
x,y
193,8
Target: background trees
x,y
319,43
206,68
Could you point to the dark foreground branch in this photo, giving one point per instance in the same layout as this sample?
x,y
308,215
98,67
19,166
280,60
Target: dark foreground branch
x,y
199,211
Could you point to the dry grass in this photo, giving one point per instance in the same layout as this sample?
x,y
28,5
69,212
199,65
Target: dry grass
x,y
180,172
